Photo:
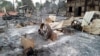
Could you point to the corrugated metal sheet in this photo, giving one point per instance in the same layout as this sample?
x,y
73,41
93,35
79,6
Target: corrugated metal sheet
x,y
87,18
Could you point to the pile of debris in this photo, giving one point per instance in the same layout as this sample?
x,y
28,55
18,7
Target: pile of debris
x,y
90,23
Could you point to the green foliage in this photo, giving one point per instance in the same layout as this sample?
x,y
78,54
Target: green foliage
x,y
7,4
28,2
19,4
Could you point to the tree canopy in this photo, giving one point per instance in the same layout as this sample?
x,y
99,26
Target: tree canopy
x,y
7,4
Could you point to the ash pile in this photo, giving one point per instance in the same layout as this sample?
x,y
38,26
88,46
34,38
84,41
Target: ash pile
x,y
49,38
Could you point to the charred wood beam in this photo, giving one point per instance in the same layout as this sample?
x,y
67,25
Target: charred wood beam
x,y
85,6
99,4
75,8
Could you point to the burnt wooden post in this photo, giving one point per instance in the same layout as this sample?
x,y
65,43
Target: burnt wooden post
x,y
85,6
99,4
75,8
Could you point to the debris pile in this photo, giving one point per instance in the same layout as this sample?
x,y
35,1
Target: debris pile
x,y
51,38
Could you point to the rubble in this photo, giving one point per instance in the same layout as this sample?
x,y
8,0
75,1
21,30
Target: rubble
x,y
46,31
28,45
91,23
64,40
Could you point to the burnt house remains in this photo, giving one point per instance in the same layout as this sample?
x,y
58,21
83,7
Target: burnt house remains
x,y
79,7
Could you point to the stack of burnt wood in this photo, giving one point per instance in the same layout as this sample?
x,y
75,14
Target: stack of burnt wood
x,y
29,45
48,34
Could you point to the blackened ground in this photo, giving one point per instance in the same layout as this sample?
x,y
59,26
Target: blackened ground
x,y
76,44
